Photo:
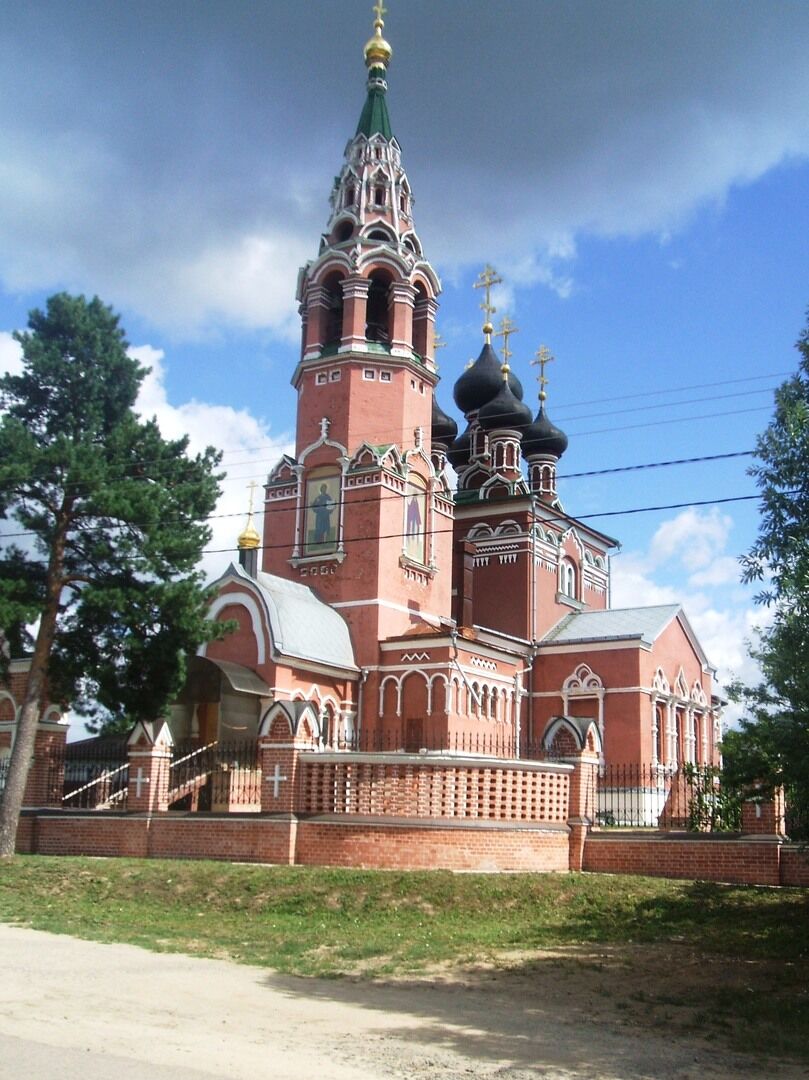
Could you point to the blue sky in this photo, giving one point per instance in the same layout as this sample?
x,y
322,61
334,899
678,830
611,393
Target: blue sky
x,y
637,173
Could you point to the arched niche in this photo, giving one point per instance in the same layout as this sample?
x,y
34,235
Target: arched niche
x,y
333,318
377,312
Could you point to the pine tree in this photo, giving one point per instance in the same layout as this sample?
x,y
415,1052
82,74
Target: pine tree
x,y
104,527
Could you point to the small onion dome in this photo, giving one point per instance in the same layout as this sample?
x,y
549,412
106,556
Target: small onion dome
x,y
480,382
460,450
443,429
249,537
377,51
504,410
543,437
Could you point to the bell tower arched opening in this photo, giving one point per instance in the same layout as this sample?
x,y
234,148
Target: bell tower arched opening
x,y
333,328
378,316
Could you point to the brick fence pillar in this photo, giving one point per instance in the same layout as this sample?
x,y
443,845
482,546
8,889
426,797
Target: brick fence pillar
x,y
582,802
764,815
287,728
279,777
149,750
46,775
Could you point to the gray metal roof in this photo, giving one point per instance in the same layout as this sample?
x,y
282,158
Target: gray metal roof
x,y
646,623
303,626
241,678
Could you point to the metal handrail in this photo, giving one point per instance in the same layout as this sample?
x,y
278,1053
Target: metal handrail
x,y
105,776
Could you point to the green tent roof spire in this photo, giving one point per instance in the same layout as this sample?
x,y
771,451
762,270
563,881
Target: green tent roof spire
x,y
375,119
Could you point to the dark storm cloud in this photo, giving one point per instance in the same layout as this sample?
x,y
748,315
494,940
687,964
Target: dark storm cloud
x,y
179,155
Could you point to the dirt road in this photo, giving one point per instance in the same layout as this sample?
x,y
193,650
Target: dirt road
x,y
77,1009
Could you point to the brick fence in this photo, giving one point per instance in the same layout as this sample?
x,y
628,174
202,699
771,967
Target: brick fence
x,y
407,811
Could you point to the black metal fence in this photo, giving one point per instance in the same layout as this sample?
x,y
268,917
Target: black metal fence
x,y
219,776
797,818
94,774
665,797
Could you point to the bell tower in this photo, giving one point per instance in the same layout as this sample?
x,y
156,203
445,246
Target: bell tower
x,y
364,507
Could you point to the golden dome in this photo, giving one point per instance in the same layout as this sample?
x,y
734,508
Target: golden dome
x,y
377,51
249,537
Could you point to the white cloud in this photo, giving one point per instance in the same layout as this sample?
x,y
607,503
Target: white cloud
x,y
723,570
694,538
250,451
188,180
721,611
10,355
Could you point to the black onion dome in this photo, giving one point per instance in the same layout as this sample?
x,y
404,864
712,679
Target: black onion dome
x,y
443,428
543,437
480,382
504,411
460,451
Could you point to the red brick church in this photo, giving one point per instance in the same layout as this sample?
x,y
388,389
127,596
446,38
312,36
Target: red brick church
x,y
403,610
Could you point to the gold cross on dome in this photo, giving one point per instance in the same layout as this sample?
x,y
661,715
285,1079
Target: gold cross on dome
x,y
379,10
487,278
507,328
438,343
251,487
544,356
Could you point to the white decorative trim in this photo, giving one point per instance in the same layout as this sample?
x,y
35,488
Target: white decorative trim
x,y
246,601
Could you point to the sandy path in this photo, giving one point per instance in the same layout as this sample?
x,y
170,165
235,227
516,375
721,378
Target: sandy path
x,y
77,1009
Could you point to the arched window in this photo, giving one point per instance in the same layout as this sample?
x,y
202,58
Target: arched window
x,y
351,194
343,232
380,234
420,320
659,735
377,318
333,330
567,579
379,195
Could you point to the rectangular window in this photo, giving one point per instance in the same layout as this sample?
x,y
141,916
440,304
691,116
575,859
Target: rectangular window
x,y
321,378
384,376
369,374
335,376
413,384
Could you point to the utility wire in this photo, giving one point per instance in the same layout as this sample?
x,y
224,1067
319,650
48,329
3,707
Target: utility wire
x,y
380,498
565,519
676,389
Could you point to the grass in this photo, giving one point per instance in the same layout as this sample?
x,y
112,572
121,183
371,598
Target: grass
x,y
331,922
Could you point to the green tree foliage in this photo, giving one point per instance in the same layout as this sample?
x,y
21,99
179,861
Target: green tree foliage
x,y
104,526
772,743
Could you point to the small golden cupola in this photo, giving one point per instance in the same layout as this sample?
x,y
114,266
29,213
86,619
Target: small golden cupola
x,y
377,51
249,541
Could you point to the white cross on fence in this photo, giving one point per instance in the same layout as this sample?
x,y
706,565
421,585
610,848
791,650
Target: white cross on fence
x,y
276,779
140,780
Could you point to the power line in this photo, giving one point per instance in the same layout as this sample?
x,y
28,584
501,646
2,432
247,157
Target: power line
x,y
380,498
675,404
566,518
677,389
617,428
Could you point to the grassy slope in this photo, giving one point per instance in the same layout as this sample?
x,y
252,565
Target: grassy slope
x,y
332,922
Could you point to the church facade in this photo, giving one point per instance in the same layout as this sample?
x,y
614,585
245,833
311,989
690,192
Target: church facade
x,y
411,612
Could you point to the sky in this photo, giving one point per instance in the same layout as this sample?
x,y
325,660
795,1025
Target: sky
x,y
636,172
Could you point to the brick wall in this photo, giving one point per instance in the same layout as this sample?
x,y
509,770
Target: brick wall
x,y
705,857
319,842
407,845
795,865
170,836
